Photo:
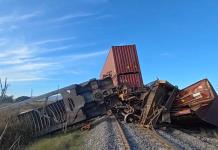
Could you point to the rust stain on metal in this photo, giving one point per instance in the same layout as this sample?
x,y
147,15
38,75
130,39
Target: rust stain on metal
x,y
159,100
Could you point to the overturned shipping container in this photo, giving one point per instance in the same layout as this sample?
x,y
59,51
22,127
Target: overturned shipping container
x,y
122,65
195,103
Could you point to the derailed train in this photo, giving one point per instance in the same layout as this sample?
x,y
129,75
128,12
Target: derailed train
x,y
121,90
153,104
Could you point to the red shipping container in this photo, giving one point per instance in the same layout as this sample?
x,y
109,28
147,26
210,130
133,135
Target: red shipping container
x,y
122,65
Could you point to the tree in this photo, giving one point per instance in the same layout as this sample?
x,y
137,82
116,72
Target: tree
x,y
4,87
22,98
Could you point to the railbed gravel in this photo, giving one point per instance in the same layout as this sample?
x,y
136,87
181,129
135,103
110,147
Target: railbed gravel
x,y
139,139
184,140
209,140
207,135
103,136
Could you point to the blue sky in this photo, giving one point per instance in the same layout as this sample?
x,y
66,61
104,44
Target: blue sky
x,y
44,44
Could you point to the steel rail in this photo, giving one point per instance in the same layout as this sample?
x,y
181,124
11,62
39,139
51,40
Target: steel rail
x,y
159,138
122,135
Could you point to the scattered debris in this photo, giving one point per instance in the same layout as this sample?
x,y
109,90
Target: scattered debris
x,y
86,126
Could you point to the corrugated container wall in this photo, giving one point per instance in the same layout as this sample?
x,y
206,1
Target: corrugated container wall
x,y
122,65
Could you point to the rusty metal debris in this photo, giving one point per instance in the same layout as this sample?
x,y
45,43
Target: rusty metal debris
x,y
157,103
147,105
160,103
86,126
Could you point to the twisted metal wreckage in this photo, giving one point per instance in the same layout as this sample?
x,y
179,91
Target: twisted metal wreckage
x,y
121,90
156,103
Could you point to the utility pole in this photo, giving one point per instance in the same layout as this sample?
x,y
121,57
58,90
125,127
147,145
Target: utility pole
x,y
58,93
31,93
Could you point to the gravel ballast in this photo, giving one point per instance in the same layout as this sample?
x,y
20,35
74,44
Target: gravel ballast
x,y
184,140
103,135
139,139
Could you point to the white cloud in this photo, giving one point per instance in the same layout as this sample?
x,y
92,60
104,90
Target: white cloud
x,y
18,17
29,15
55,49
87,55
33,66
24,78
25,63
73,16
21,52
66,47
52,40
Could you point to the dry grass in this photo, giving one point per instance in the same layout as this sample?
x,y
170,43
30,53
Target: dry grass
x,y
68,141
17,128
14,130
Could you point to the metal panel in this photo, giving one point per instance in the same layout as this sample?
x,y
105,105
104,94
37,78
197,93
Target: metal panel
x,y
131,80
158,101
126,59
109,69
196,95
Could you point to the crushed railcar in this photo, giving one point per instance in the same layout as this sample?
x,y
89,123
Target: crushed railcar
x,y
159,101
196,103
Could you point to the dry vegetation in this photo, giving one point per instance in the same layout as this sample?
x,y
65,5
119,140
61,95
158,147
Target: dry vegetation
x,y
73,140
14,133
17,134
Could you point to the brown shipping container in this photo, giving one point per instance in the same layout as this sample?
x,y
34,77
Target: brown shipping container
x,y
200,98
122,65
196,95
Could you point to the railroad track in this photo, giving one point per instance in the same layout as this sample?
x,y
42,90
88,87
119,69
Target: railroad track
x,y
110,133
160,139
152,133
122,135
156,137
